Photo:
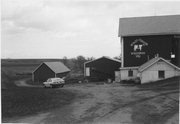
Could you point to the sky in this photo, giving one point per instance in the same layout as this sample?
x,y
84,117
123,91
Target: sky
x,y
58,28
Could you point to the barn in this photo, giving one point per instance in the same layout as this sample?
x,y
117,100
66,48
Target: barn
x,y
143,38
101,69
49,70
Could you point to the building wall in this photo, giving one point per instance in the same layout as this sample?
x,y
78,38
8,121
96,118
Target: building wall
x,y
43,73
61,75
164,45
151,73
101,69
117,76
124,74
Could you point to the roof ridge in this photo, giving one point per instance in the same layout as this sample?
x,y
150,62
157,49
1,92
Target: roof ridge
x,y
151,62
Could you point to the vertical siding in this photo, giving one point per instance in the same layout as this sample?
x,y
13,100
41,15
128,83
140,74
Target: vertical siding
x,y
61,75
117,76
161,44
151,73
102,69
124,74
43,73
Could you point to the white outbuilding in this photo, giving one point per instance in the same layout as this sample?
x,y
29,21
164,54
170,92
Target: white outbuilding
x,y
157,69
153,70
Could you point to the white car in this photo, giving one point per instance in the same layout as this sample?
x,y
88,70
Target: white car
x,y
54,82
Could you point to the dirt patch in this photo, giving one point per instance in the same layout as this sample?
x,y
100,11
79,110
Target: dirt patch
x,y
23,83
113,103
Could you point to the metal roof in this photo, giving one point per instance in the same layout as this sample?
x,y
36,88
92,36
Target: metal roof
x,y
152,25
153,61
116,60
128,68
57,67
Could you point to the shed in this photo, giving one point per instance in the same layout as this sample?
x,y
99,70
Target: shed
x,y
49,70
157,69
101,69
152,70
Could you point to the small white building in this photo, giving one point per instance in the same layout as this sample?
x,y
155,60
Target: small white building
x,y
157,69
153,70
126,73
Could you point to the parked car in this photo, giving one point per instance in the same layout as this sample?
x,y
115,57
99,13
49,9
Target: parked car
x,y
54,82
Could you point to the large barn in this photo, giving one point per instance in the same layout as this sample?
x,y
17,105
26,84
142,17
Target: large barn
x,y
144,38
101,69
49,70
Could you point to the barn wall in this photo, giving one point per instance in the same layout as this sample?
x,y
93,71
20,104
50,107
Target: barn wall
x,y
163,45
102,69
60,75
43,73
124,74
151,73
117,76
177,45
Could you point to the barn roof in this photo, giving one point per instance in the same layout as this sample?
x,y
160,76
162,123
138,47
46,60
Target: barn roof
x,y
116,60
153,61
151,25
56,67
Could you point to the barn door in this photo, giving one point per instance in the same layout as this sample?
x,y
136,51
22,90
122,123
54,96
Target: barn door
x,y
87,71
117,76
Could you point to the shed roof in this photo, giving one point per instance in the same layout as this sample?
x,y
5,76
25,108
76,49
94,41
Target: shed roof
x,y
150,25
116,60
56,67
153,61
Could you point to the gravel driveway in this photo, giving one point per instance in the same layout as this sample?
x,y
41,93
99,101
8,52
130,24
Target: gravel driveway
x,y
115,104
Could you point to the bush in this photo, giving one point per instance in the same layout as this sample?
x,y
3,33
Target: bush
x,y
75,79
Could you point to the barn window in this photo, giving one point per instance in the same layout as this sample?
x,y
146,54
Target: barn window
x,y
130,73
161,74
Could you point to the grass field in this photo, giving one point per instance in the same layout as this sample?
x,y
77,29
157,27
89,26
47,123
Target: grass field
x,y
162,85
25,101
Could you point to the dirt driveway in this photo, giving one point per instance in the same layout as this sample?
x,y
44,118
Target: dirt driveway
x,y
114,104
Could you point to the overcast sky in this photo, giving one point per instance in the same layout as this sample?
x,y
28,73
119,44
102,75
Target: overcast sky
x,y
56,28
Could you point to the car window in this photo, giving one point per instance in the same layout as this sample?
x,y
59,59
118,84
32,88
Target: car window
x,y
49,80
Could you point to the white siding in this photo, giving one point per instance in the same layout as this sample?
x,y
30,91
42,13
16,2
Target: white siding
x,y
117,76
87,72
151,73
124,74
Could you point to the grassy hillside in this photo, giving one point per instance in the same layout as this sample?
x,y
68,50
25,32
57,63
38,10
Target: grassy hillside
x,y
26,62
167,84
